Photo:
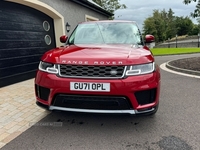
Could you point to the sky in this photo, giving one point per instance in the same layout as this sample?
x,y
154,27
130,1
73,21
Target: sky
x,y
139,10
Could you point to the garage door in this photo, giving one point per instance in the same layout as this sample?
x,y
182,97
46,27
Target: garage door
x,y
25,34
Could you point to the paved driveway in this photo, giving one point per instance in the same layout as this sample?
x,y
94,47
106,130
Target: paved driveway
x,y
17,110
175,126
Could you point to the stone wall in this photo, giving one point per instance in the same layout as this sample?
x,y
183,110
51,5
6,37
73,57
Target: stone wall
x,y
173,45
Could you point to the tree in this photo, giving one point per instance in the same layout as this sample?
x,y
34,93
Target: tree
x,y
110,5
171,30
160,25
150,28
195,30
164,25
184,25
196,12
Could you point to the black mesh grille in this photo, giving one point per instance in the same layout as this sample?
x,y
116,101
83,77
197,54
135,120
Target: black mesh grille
x,y
92,71
92,102
146,97
42,92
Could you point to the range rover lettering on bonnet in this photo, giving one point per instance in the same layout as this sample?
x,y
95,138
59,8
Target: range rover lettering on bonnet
x,y
94,62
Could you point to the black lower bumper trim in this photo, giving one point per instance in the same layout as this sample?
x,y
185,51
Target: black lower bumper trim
x,y
92,102
42,105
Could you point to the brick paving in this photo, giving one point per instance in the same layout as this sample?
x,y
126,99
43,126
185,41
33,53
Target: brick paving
x,y
18,110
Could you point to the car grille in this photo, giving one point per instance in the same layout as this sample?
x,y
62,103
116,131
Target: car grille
x,y
82,71
92,102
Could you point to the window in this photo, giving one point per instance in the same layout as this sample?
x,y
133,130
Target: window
x,y
106,33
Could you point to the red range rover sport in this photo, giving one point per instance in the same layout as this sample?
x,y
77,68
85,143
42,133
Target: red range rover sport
x,y
104,67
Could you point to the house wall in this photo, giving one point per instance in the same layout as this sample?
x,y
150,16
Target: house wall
x,y
73,13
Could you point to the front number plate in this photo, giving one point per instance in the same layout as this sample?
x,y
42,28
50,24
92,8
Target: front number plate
x,y
85,86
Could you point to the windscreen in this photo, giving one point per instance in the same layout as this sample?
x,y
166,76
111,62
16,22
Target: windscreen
x,y
106,33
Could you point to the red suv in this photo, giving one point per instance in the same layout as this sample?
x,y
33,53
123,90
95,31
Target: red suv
x,y
104,67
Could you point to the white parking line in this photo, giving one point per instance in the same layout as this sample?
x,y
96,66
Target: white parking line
x,y
163,67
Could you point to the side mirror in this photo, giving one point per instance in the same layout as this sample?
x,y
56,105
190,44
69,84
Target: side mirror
x,y
149,39
63,38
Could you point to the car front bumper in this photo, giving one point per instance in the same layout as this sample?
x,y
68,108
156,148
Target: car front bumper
x,y
140,94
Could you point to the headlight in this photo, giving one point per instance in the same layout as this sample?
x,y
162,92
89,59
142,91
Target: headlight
x,y
140,69
48,67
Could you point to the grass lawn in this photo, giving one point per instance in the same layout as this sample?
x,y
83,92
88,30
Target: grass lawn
x,y
174,51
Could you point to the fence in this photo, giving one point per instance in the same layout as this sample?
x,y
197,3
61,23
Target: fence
x,y
190,41
174,45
